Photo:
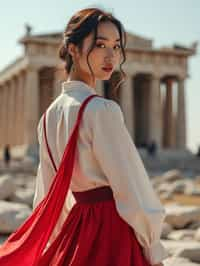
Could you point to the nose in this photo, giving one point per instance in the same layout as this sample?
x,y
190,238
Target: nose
x,y
109,53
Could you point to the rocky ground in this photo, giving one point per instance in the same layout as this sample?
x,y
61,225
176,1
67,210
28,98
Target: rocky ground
x,y
179,194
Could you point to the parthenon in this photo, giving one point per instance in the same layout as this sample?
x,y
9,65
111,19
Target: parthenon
x,y
152,98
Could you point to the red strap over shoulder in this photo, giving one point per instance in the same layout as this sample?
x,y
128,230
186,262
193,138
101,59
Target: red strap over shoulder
x,y
48,149
46,141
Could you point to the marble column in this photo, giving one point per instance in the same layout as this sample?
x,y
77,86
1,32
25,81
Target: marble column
x,y
21,109
11,103
168,114
6,113
1,116
127,101
8,99
155,113
18,113
181,116
31,105
14,110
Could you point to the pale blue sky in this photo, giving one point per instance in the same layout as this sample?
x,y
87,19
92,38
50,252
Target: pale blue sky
x,y
166,22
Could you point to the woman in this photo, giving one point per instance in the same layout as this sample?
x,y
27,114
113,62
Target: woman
x,y
107,231
123,229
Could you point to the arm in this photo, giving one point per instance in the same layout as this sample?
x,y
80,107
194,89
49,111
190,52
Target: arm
x,y
135,198
45,171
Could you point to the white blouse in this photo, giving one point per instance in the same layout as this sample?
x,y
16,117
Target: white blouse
x,y
106,156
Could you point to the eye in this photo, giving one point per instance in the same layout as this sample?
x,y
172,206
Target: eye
x,y
117,47
100,45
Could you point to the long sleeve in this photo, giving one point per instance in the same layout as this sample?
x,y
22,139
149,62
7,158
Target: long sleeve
x,y
45,171
135,198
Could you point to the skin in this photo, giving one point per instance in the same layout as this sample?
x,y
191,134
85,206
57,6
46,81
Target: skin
x,y
106,51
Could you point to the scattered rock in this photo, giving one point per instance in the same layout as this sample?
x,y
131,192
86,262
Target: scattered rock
x,y
194,225
23,196
177,261
12,215
197,234
7,186
3,238
186,249
179,216
183,234
197,179
172,175
166,229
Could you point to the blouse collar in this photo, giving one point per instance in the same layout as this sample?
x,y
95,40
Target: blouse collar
x,y
71,85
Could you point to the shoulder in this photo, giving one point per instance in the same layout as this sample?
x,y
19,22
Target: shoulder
x,y
100,104
99,107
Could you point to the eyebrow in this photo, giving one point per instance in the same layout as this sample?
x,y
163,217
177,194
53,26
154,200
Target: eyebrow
x,y
106,39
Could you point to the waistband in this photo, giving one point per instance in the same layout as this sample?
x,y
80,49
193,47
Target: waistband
x,y
94,195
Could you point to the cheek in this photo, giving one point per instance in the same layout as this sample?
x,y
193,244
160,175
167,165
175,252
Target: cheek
x,y
96,59
97,55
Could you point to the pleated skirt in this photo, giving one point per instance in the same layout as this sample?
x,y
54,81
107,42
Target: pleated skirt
x,y
95,235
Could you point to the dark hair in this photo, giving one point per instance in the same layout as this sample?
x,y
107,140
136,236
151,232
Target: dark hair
x,y
80,26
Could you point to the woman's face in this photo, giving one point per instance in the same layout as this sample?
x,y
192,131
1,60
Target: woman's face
x,y
105,56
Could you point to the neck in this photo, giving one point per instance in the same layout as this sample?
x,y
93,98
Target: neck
x,y
88,80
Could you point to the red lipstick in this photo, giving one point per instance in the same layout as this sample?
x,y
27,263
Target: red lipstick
x,y
108,68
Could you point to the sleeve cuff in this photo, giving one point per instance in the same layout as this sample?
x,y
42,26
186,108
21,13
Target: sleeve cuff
x,y
156,253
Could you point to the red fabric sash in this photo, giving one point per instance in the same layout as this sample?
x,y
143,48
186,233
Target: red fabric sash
x,y
26,245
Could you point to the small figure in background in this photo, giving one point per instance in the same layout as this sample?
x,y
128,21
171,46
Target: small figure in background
x,y
198,152
152,148
7,156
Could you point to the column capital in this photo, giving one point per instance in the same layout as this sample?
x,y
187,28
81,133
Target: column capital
x,y
32,68
169,82
181,78
156,76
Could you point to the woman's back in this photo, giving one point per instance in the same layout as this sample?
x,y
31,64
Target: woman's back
x,y
106,156
61,117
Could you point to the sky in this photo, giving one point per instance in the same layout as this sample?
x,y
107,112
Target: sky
x,y
166,22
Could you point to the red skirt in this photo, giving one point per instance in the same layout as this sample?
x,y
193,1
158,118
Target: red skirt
x,y
95,235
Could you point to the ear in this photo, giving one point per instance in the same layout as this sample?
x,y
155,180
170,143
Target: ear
x,y
72,50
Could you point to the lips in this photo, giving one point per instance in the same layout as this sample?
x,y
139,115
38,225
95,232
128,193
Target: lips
x,y
108,68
